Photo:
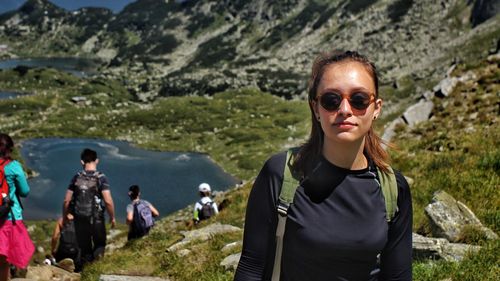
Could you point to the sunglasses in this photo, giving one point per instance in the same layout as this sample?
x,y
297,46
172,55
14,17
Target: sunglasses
x,y
331,101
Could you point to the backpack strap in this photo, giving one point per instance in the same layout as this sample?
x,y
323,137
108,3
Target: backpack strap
x,y
4,163
3,178
389,188
285,199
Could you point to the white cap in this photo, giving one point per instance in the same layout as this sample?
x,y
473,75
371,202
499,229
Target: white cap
x,y
204,187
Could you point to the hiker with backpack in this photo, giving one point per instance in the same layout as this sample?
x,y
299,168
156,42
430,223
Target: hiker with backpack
x,y
64,243
205,207
87,196
140,214
333,208
16,247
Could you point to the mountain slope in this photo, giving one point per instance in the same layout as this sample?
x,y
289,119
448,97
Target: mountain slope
x,y
203,47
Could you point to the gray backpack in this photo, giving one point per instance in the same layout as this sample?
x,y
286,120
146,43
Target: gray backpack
x,y
86,195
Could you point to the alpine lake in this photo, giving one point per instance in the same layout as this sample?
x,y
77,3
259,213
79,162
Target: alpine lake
x,y
169,180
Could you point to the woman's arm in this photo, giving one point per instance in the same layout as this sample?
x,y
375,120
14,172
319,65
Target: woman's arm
x,y
396,258
130,214
22,187
260,223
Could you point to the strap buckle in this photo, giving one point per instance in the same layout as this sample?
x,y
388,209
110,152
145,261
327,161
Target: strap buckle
x,y
282,208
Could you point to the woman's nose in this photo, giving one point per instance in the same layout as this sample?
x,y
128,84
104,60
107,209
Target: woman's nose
x,y
345,108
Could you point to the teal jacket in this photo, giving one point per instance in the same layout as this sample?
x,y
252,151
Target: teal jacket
x,y
16,179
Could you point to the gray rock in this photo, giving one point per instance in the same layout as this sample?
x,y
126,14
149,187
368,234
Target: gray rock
x,y
67,264
439,248
203,234
389,131
448,216
445,87
183,252
231,262
231,246
47,272
428,95
418,112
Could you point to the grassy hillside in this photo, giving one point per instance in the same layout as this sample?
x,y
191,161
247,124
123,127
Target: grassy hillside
x,y
458,151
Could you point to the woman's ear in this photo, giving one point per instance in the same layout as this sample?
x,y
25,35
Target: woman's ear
x,y
378,108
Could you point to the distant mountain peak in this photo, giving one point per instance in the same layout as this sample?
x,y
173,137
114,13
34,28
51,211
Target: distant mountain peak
x,y
40,6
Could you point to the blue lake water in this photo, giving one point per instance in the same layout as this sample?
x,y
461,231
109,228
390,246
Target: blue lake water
x,y
77,66
8,95
169,180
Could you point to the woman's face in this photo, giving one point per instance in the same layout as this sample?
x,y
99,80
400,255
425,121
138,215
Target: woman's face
x,y
345,81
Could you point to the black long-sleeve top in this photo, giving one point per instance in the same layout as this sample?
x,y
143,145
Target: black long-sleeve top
x,y
336,227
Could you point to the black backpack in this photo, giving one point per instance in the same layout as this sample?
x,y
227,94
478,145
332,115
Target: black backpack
x,y
143,219
68,244
86,194
207,210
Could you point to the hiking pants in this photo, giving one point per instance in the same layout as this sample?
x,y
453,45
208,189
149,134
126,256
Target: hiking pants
x,y
91,237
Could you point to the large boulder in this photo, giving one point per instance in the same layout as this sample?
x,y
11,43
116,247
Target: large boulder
x,y
418,112
448,216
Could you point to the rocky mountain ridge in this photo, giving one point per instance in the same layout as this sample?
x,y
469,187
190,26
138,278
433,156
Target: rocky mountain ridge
x,y
170,48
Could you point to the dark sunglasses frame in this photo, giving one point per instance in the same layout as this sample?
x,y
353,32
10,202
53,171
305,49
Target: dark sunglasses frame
x,y
326,101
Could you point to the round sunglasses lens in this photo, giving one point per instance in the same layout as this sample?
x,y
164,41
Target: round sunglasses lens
x,y
330,102
359,101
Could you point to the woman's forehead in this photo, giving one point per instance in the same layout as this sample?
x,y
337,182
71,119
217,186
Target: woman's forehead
x,y
347,74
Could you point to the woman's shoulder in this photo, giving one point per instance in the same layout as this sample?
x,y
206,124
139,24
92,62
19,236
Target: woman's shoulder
x,y
13,165
403,186
275,164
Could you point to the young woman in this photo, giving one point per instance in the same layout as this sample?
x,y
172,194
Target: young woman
x,y
15,244
336,228
134,193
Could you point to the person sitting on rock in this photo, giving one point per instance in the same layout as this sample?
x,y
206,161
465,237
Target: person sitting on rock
x,y
64,241
140,214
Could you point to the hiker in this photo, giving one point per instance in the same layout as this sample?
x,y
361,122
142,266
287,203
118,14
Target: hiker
x,y
205,207
16,247
140,214
335,225
64,242
87,196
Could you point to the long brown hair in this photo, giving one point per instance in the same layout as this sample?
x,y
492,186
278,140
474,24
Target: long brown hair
x,y
312,149
6,145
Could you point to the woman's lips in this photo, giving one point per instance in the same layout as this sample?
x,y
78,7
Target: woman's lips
x,y
344,125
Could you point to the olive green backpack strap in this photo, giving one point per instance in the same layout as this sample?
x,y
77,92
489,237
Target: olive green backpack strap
x,y
285,199
390,191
